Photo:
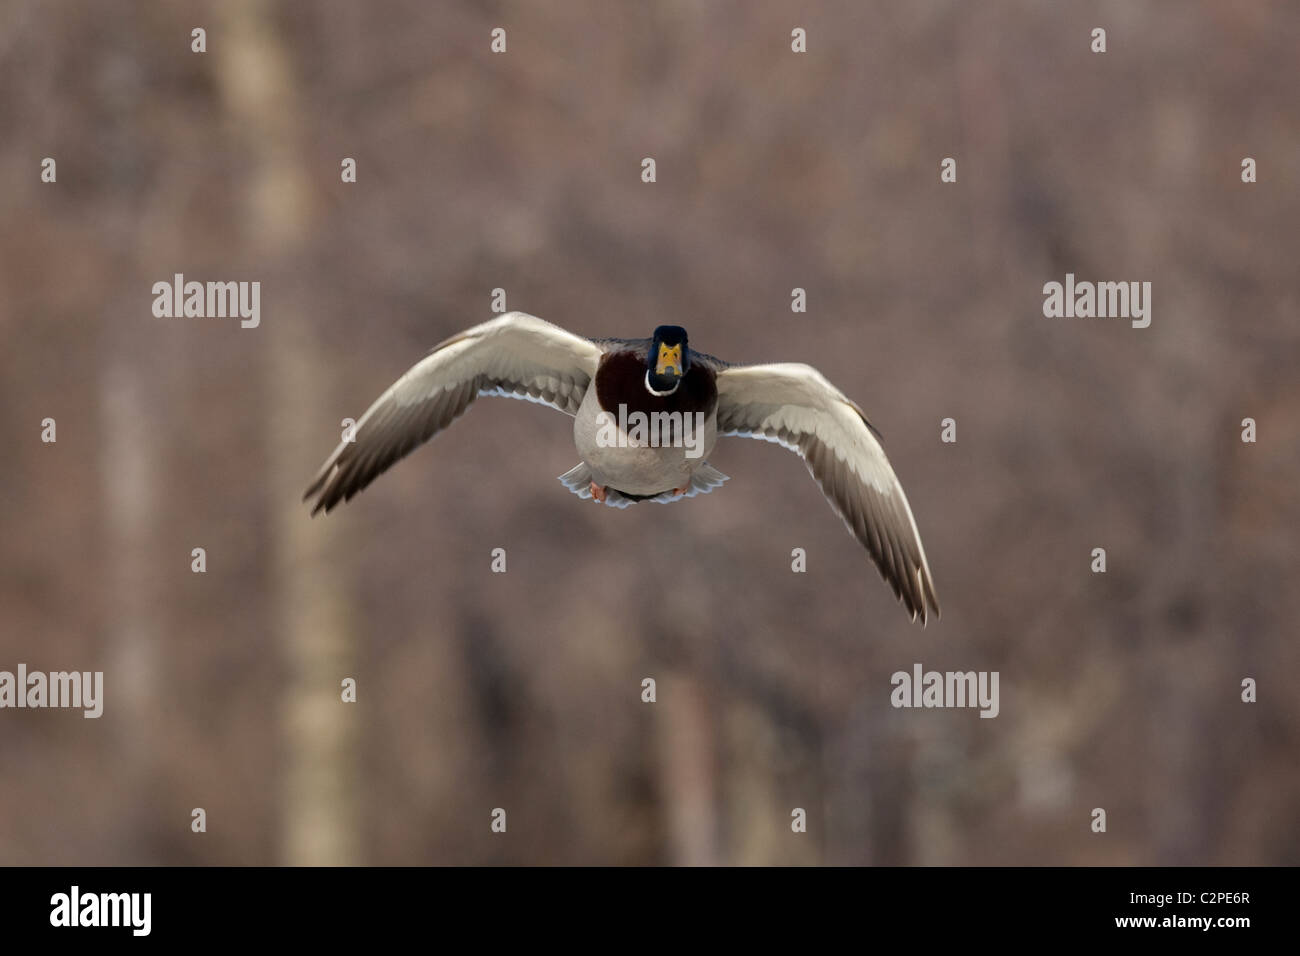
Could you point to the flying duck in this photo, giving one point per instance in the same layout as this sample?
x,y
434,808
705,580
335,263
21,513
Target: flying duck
x,y
646,412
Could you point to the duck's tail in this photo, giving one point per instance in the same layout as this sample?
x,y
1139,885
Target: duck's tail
x,y
703,480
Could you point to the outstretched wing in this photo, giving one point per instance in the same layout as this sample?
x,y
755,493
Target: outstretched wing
x,y
795,406
515,355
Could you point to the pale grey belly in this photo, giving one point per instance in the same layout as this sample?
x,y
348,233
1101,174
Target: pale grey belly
x,y
618,461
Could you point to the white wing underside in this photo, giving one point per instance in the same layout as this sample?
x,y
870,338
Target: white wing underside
x,y
515,355
795,406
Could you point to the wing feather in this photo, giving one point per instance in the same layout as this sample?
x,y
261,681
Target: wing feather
x,y
515,355
795,406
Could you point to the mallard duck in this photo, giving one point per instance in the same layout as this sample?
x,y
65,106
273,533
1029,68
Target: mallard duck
x,y
685,400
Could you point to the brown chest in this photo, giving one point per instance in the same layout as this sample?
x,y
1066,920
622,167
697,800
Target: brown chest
x,y
620,381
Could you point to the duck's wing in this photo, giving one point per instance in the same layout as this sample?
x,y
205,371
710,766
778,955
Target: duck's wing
x,y
609,344
795,406
515,355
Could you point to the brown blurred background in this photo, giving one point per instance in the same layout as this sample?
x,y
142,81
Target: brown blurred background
x,y
522,691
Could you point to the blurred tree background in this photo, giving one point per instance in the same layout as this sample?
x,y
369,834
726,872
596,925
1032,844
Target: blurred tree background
x,y
522,690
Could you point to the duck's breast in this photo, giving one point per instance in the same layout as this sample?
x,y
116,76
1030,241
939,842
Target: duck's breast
x,y
640,443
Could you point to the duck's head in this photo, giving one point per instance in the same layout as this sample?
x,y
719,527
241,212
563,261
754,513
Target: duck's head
x,y
667,360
